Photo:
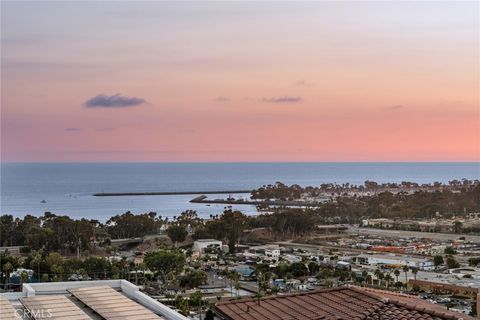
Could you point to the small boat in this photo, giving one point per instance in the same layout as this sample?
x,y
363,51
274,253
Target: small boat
x,y
43,201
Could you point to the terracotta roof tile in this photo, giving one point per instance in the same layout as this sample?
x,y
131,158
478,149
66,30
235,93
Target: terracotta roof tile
x,y
344,303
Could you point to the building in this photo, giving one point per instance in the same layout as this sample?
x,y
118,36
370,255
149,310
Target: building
x,y
202,244
272,252
396,261
347,303
83,300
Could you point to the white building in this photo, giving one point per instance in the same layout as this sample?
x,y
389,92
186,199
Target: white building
x,y
394,260
201,244
292,258
272,252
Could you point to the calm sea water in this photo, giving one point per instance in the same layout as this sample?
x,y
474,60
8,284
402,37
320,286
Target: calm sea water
x,y
67,188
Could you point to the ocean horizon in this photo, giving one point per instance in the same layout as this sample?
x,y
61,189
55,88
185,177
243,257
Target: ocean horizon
x,y
68,188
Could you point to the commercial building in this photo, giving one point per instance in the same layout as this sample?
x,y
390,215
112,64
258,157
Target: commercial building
x,y
396,261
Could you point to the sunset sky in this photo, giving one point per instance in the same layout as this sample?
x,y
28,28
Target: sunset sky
x,y
232,81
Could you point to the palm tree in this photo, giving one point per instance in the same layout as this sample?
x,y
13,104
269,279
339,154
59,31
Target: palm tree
x,y
23,277
37,261
388,279
364,276
414,272
143,268
236,279
7,269
369,279
396,273
353,276
379,274
405,269
229,276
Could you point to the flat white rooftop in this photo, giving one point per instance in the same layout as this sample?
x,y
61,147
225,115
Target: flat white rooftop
x,y
83,300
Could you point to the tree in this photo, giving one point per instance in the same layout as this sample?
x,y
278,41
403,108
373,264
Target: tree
x,y
195,300
37,259
182,305
325,273
369,279
129,225
177,233
189,218
298,269
450,250
405,269
396,273
379,274
209,315
452,263
232,276
164,262
457,227
193,279
414,272
7,269
438,260
234,223
364,276
473,262
55,263
24,277
96,266
313,268
236,281
8,263
388,279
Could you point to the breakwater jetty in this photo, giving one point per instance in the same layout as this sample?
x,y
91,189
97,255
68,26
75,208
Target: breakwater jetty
x,y
169,193
203,199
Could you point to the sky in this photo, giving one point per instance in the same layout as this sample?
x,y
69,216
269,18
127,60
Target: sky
x,y
240,81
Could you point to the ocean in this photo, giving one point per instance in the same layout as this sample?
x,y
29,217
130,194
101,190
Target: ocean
x,y
68,188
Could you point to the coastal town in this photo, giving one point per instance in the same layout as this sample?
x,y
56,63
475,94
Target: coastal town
x,y
240,160
224,266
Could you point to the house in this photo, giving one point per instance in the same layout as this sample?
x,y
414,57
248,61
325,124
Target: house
x,y
202,244
272,253
347,303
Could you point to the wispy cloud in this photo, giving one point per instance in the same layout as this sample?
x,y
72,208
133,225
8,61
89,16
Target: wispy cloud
x,y
285,99
113,101
72,129
302,83
396,107
221,99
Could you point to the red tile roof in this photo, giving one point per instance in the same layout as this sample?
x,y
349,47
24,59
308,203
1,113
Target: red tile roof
x,y
344,303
